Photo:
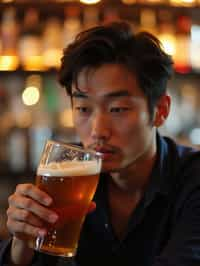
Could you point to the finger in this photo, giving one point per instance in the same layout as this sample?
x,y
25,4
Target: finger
x,y
17,228
32,206
35,193
24,216
92,207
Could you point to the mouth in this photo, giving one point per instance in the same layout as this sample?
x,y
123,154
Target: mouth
x,y
105,152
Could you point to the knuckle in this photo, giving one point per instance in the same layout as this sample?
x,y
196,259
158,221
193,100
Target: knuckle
x,y
27,187
10,199
8,223
23,188
18,187
8,212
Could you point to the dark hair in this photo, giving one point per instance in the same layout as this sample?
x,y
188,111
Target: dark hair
x,y
141,53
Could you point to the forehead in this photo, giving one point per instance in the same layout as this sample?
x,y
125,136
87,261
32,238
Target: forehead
x,y
107,79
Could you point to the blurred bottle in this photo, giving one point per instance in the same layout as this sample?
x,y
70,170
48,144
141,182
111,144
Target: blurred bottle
x,y
195,47
110,14
6,123
148,20
90,17
52,43
183,3
9,39
167,31
17,150
17,138
30,44
72,24
182,55
129,2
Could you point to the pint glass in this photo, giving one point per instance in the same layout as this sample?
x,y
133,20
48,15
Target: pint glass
x,y
69,174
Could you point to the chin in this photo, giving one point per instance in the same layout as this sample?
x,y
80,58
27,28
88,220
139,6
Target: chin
x,y
110,167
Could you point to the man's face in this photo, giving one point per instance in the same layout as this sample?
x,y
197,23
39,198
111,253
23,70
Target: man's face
x,y
111,115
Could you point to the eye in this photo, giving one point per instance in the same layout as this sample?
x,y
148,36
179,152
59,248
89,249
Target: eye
x,y
119,109
82,109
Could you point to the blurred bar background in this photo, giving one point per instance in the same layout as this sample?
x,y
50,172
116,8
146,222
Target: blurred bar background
x,y
34,107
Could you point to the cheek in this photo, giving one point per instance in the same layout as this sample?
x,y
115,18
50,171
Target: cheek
x,y
82,128
134,136
134,125
144,118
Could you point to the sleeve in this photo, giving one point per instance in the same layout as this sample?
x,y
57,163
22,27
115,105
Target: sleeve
x,y
183,247
4,247
56,261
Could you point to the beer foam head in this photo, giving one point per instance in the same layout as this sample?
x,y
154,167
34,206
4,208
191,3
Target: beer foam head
x,y
70,168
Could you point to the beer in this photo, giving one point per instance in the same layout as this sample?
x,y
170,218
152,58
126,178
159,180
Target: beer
x,y
72,185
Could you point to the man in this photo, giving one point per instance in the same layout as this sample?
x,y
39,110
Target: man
x,y
148,199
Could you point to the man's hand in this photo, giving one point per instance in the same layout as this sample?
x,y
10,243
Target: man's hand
x,y
27,213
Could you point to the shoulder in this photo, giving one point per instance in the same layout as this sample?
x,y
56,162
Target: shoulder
x,y
180,165
183,164
185,159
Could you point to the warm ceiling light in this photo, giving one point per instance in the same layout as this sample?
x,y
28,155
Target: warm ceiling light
x,y
90,2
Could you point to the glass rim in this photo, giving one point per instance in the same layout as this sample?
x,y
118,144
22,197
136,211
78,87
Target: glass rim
x,y
73,146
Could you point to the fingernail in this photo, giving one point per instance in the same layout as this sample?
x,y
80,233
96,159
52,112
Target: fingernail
x,y
53,218
47,201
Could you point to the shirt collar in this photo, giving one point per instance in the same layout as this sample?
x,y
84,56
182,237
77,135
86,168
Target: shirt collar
x,y
159,181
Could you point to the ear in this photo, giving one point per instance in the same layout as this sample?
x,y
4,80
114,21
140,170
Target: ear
x,y
162,110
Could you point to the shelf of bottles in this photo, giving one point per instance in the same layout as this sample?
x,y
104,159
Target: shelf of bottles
x,y
32,36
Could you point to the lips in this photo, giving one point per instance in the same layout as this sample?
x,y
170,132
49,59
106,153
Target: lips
x,y
105,152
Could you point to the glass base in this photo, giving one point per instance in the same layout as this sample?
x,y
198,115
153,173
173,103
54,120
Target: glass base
x,y
57,252
62,258
53,250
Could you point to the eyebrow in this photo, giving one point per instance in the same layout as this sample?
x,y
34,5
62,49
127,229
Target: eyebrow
x,y
120,93
79,94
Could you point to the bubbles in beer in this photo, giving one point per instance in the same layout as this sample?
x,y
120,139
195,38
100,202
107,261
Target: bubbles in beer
x,y
72,185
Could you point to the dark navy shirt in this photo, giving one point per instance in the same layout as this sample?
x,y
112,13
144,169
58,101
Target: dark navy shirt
x,y
164,229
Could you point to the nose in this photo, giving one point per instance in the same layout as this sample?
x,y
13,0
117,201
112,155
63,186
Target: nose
x,y
101,127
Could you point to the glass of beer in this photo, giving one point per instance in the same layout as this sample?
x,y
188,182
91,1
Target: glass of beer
x,y
69,174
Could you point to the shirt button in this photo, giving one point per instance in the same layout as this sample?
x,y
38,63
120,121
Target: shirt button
x,y
106,226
